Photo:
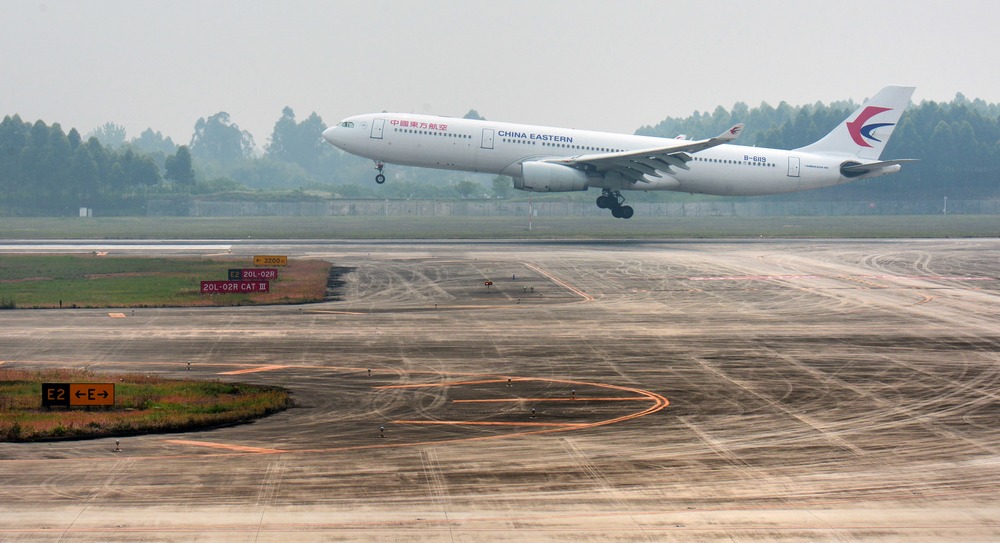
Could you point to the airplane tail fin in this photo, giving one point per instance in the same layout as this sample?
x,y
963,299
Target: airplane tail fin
x,y
864,134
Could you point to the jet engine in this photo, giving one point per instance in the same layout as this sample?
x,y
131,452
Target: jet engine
x,y
547,177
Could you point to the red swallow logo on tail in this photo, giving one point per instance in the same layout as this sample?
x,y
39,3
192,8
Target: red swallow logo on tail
x,y
860,132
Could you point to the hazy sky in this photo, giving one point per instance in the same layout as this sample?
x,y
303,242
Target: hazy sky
x,y
599,65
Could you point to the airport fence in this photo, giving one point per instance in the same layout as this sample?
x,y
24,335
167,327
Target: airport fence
x,y
493,208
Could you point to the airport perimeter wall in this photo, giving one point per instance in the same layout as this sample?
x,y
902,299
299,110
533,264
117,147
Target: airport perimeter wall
x,y
492,208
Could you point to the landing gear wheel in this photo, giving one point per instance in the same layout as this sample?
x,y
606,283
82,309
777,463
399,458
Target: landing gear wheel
x,y
613,200
380,179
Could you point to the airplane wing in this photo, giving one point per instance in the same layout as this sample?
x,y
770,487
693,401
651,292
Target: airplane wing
x,y
634,165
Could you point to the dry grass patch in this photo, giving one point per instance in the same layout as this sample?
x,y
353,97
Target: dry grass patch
x,y
92,281
143,404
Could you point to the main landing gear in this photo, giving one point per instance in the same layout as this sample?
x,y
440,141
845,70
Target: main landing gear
x,y
380,178
613,200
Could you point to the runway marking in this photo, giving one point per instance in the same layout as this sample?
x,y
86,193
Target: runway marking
x,y
116,315
253,370
756,278
586,297
475,307
577,399
858,278
449,383
659,403
486,423
225,446
332,312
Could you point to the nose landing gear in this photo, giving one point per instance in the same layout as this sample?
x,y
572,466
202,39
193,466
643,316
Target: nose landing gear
x,y
614,201
380,178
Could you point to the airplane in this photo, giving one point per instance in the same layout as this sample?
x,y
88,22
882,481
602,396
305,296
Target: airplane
x,y
548,159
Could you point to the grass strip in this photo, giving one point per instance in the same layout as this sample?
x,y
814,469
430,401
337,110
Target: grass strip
x,y
143,404
90,281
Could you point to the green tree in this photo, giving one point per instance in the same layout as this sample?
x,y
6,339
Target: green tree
x,y
218,138
178,167
56,168
102,158
468,189
13,140
85,175
283,137
145,172
110,134
74,138
502,187
154,142
300,143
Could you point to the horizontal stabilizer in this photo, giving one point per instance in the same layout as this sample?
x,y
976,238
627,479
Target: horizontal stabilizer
x,y
856,169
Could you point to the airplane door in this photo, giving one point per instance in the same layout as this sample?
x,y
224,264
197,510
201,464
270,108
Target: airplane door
x,y
377,127
793,166
487,138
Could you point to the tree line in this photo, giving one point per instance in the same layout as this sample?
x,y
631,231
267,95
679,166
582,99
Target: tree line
x,y
45,170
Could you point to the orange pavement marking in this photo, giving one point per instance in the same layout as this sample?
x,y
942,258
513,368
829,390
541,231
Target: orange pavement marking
x,y
226,446
659,403
577,399
253,370
586,297
447,383
483,423
116,315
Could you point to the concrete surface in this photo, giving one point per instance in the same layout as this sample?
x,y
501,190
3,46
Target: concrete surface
x,y
689,391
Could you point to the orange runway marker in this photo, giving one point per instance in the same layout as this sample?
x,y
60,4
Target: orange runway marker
x,y
253,370
484,423
225,446
577,399
448,383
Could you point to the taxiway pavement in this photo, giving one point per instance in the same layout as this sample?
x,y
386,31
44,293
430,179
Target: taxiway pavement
x,y
628,391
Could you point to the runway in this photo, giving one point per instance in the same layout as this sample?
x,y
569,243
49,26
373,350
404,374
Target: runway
x,y
629,391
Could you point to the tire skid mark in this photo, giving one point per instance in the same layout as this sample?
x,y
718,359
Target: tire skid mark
x,y
270,482
586,297
603,485
436,482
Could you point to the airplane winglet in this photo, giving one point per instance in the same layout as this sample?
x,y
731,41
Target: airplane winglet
x,y
732,133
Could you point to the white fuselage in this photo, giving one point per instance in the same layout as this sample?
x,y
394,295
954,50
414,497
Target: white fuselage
x,y
501,148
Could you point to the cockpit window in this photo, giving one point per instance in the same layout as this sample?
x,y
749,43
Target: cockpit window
x,y
347,124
